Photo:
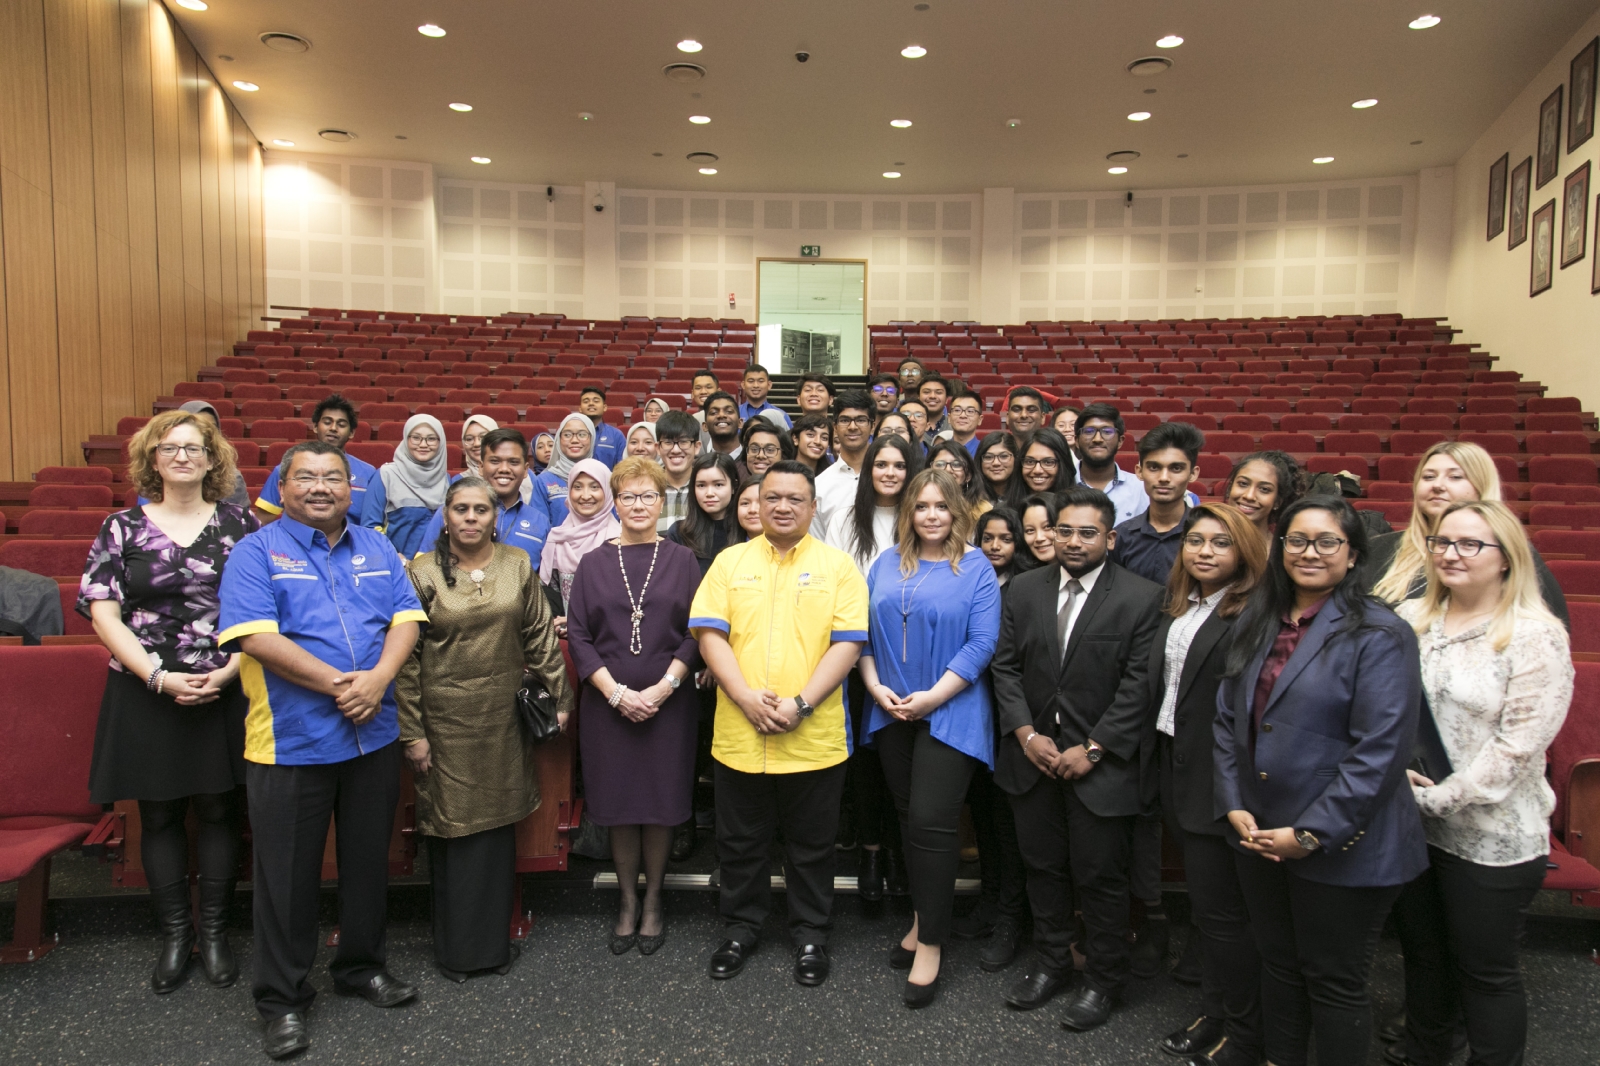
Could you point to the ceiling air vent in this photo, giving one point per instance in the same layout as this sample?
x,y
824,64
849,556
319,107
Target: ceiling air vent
x,y
285,42
685,73
336,135
1149,66
701,158
1123,157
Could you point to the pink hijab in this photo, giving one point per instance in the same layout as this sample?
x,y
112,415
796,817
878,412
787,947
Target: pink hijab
x,y
576,537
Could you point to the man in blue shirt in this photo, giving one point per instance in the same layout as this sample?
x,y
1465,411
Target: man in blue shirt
x,y
610,445
521,523
324,614
1100,430
1169,458
333,422
966,412
755,386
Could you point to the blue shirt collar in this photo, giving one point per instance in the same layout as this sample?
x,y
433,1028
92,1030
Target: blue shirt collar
x,y
305,535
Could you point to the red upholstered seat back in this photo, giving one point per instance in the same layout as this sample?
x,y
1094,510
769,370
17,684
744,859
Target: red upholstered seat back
x,y
51,558
1579,738
71,496
48,708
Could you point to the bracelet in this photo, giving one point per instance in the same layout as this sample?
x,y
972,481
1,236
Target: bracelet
x,y
616,695
154,682
1025,743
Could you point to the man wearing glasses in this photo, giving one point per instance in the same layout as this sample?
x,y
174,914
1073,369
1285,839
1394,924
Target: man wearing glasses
x,y
1070,684
885,392
1100,430
324,615
853,416
966,412
678,436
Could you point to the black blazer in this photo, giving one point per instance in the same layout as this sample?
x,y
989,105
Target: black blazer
x,y
1188,794
1100,691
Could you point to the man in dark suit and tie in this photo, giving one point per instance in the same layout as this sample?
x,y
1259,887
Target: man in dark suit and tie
x,y
1070,683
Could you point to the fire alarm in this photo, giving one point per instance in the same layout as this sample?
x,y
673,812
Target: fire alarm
x,y
733,300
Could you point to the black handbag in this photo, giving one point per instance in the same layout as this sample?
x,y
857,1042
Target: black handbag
x,y
536,710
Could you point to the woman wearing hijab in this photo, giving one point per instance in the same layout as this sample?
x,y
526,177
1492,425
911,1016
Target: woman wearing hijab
x,y
574,442
589,524
543,450
654,408
642,441
473,430
406,492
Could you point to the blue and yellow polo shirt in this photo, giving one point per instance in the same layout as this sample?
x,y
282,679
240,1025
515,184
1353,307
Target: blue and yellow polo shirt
x,y
524,526
780,615
361,472
336,603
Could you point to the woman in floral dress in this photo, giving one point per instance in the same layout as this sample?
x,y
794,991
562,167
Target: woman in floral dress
x,y
171,729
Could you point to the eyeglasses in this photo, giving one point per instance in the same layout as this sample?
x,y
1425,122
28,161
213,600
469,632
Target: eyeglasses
x,y
678,445
1087,534
854,420
1327,544
574,434
429,441
1466,549
1195,542
762,451
1048,463
190,451
1101,432
998,457
305,481
885,390
946,464
649,499
965,409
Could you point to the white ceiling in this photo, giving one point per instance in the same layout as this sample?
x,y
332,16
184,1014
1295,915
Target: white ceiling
x,y
1258,88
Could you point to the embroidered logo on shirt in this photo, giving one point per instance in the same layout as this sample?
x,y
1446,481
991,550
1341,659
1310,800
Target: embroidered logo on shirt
x,y
526,523
816,582
357,560
284,562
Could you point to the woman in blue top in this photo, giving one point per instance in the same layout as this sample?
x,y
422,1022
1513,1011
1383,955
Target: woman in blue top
x,y
407,491
935,611
574,443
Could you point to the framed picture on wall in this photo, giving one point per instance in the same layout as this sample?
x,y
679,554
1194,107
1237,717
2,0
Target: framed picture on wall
x,y
1580,110
1541,270
1575,216
1497,196
1594,263
1549,153
1521,180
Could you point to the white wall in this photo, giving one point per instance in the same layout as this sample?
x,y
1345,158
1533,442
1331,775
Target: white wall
x,y
511,248
1550,337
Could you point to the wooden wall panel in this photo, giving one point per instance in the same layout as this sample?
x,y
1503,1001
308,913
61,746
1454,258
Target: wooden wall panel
x,y
164,78
139,144
111,212
194,247
207,99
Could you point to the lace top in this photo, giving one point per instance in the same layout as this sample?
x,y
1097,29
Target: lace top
x,y
1496,712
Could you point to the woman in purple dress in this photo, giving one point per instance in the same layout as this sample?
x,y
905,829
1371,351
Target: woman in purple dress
x,y
628,633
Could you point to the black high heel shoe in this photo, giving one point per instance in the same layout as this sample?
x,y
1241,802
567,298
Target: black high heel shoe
x,y
900,958
919,996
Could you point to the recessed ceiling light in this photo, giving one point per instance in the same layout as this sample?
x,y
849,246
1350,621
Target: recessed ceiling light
x,y
708,170
1362,105
1116,170
689,44
900,123
193,5
1138,116
1171,40
891,173
246,86
586,116
428,29
913,51
282,143
481,159
699,120
1323,159
461,107
1424,22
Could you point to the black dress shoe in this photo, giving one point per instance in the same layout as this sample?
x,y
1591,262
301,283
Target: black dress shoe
x,y
1035,989
919,996
974,926
895,880
383,990
684,840
458,976
1199,1035
811,964
900,958
1001,950
1226,1053
621,945
516,953
1393,1028
729,959
869,875
1149,949
1089,1008
285,1035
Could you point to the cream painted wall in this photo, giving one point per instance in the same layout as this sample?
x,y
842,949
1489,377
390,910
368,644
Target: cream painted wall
x,y
1551,337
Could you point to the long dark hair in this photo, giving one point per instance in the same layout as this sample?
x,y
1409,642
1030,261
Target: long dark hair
x,y
1273,596
1022,559
698,529
1066,469
441,547
863,543
1290,481
1010,493
1052,512
970,488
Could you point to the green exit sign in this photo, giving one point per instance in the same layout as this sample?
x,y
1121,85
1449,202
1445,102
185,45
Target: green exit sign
x,y
811,251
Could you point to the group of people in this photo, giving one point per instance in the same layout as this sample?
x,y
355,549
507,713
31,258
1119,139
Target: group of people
x,y
872,609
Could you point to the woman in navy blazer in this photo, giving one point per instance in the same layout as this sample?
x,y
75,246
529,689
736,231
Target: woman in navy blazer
x,y
1315,725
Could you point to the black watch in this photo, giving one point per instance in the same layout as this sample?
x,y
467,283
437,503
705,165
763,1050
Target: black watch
x,y
802,706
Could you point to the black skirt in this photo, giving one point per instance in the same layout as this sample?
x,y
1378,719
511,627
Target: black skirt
x,y
474,883
147,747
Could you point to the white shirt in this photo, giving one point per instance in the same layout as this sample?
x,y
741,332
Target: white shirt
x,y
839,533
1179,637
836,490
1087,581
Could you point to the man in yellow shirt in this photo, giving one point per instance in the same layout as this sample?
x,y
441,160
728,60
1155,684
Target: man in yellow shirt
x,y
781,620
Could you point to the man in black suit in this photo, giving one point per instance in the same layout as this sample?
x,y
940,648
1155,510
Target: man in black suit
x,y
1070,681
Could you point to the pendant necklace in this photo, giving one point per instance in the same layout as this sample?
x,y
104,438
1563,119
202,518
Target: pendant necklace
x,y
635,639
905,609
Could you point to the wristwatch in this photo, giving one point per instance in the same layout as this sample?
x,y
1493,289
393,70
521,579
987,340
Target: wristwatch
x,y
1307,839
674,682
1092,751
802,706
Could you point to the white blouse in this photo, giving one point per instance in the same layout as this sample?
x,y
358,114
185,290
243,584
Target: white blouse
x,y
839,533
1179,636
1496,713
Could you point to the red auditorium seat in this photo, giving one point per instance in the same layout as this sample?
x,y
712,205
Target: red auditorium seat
x,y
1553,404
51,558
52,523
280,429
1577,578
1560,422
68,496
1360,443
1558,444
73,475
1569,516
1584,542
1564,493
1561,469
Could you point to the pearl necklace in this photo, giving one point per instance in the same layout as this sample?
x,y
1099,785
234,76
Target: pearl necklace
x,y
635,639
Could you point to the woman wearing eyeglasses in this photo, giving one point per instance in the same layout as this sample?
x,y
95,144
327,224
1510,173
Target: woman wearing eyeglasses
x,y
171,728
628,633
955,460
574,443
407,491
1047,462
1315,721
998,471
764,444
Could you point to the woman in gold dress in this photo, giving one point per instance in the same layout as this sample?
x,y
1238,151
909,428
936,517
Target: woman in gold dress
x,y
476,776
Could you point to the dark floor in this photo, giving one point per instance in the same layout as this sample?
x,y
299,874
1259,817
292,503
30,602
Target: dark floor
x,y
570,1000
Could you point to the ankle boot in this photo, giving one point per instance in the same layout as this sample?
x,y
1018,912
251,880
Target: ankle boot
x,y
896,882
177,932
216,894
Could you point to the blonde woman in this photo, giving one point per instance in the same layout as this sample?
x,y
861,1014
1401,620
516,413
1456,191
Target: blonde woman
x,y
1450,472
1497,673
935,610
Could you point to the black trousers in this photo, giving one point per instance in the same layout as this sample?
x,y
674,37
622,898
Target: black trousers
x,y
751,809
289,811
929,780
164,840
1460,926
1144,865
876,821
1316,943
1005,879
474,882
1075,855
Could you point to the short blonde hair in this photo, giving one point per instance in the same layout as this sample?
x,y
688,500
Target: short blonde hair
x,y
637,466
1411,558
962,521
218,483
